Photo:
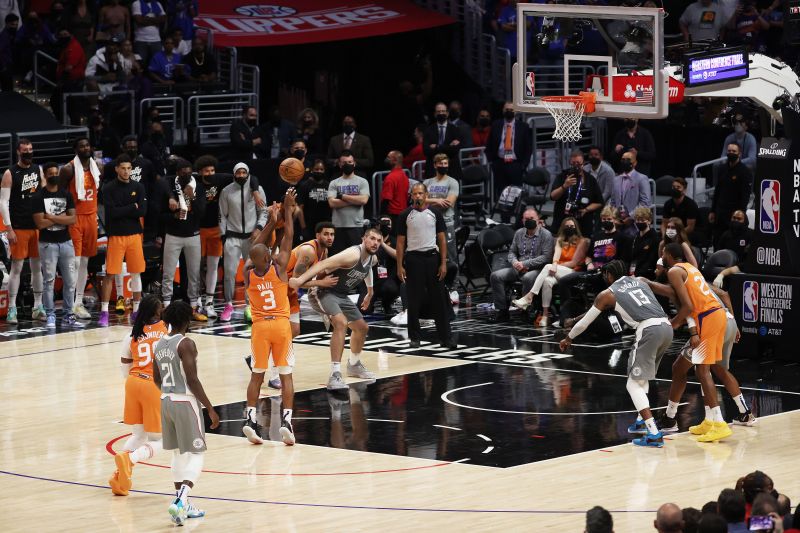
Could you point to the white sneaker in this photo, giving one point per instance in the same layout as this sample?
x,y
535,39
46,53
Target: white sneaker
x,y
454,297
209,311
400,319
522,303
81,312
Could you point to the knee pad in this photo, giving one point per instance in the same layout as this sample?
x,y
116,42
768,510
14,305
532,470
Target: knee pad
x,y
192,466
136,283
638,392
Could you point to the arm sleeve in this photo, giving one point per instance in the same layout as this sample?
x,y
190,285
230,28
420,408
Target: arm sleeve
x,y
401,223
584,322
5,198
441,227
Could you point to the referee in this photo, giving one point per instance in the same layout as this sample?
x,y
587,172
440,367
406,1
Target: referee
x,y
422,242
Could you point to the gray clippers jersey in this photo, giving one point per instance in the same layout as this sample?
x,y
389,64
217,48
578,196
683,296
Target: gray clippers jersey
x,y
350,278
173,380
635,301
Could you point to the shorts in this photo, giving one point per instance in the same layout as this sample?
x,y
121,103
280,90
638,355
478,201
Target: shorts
x,y
271,338
182,425
84,235
711,326
330,303
142,403
648,349
27,245
727,346
128,247
294,306
210,242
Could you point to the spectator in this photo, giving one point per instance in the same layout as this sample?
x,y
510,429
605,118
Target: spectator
x,y
130,60
70,71
702,21
601,171
103,138
443,193
747,27
357,144
9,7
157,148
165,65
299,150
276,134
202,65
598,520
482,129
669,519
149,16
464,129
711,523
738,235
417,152
312,198
182,46
568,257
675,232
731,507
507,22
80,22
244,136
680,206
34,35
531,249
106,68
691,519
644,250
785,511
347,196
8,51
394,193
754,484
748,146
710,507
576,194
388,286
509,149
635,138
153,114
113,19
181,15
56,18
441,137
732,192
309,130
765,504
631,190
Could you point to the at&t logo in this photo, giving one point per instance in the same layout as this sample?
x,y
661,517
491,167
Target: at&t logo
x,y
265,11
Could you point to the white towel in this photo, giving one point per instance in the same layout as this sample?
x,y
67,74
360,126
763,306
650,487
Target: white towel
x,y
80,183
181,198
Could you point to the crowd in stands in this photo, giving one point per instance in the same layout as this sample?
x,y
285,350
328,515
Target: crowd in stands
x,y
754,504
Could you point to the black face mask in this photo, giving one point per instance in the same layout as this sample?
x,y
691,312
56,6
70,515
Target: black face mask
x,y
676,193
52,180
641,226
299,154
625,166
630,124
441,118
241,181
570,232
483,122
251,122
26,157
318,176
156,137
607,225
509,115
453,115
737,227
308,123
348,129
530,224
133,154
733,158
594,161
442,170
348,168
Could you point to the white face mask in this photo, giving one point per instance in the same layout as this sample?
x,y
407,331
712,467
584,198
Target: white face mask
x,y
671,233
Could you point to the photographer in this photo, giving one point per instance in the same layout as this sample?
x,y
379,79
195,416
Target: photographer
x,y
576,194
387,285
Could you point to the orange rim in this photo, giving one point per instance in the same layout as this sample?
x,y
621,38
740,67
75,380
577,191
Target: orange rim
x,y
587,98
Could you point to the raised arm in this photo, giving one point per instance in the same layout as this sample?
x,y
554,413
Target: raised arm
x,y
288,231
274,214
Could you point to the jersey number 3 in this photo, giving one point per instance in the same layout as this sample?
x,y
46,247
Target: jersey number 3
x,y
269,300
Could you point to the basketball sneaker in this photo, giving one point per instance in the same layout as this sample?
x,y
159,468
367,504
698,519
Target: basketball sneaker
x,y
358,370
178,511
248,315
252,430
115,486
653,441
194,512
39,313
120,307
81,312
287,433
71,321
702,428
541,321
125,469
103,320
522,303
11,317
275,383
227,313
667,424
745,419
197,316
718,431
248,360
336,382
638,428
209,309
51,321
400,319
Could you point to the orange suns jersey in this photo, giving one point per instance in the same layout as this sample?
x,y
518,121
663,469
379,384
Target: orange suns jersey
x,y
268,294
700,294
143,350
318,252
87,206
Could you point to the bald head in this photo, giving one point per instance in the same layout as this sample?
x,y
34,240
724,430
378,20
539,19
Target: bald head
x,y
669,519
259,254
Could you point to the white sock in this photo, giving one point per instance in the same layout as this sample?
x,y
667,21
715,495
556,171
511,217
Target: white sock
x,y
37,299
672,409
146,451
250,413
136,305
740,403
82,269
651,426
287,415
118,285
138,438
183,493
354,357
709,414
104,307
336,367
638,418
166,303
212,264
716,414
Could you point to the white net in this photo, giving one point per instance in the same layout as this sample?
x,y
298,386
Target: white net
x,y
568,116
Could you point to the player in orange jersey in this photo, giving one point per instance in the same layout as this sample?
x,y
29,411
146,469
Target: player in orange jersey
x,y
707,323
84,231
303,257
266,283
142,396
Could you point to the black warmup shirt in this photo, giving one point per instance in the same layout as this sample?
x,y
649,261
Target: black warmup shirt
x,y
120,201
24,184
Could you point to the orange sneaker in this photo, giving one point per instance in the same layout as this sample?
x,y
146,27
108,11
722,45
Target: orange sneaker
x,y
115,486
125,471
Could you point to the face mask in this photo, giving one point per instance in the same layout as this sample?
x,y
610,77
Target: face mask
x,y
625,166
308,122
671,233
509,115
630,124
641,226
483,122
348,168
453,115
299,154
156,137
241,181
733,158
737,227
739,129
676,193
569,231
441,118
52,180
251,122
607,225
441,170
27,157
348,129
319,176
133,154
530,224
594,161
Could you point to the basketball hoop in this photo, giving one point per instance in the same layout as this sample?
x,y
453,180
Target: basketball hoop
x,y
568,112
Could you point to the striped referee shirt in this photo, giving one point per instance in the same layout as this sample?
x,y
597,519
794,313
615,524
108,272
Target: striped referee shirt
x,y
420,228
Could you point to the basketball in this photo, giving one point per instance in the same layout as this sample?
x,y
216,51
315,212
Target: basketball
x,y
292,170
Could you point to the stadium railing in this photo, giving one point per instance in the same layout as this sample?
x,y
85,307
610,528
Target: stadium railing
x,y
210,115
172,111
52,145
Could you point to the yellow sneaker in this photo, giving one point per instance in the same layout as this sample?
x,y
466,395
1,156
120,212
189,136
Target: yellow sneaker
x,y
719,431
114,484
197,316
125,471
120,307
702,428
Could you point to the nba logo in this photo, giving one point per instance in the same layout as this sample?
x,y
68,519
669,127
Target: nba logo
x,y
530,84
770,215
750,301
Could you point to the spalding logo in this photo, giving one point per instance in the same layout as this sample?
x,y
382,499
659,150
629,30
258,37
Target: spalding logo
x,y
265,11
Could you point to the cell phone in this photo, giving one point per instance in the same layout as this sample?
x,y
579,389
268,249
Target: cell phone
x,y
761,523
